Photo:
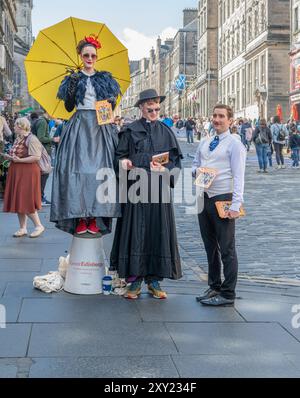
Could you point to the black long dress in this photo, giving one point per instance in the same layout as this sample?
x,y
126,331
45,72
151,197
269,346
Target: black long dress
x,y
145,242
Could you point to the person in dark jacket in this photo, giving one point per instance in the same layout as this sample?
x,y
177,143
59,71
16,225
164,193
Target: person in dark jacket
x,y
262,138
190,127
40,128
294,144
86,148
145,245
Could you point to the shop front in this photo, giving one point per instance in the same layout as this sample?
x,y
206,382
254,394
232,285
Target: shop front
x,y
295,85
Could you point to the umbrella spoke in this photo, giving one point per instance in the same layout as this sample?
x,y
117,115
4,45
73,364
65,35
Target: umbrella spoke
x,y
57,105
50,63
112,55
123,80
75,38
102,27
49,81
61,49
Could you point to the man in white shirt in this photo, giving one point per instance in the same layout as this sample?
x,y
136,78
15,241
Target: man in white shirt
x,y
227,155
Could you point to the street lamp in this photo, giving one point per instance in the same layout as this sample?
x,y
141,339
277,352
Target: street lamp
x,y
209,71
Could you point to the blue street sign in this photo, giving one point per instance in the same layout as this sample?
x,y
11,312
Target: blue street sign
x,y
181,82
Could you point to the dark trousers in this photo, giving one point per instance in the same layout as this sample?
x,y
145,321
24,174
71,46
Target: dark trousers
x,y
44,178
219,240
190,136
279,155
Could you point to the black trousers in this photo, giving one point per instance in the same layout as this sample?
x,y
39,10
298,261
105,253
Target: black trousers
x,y
44,178
219,240
279,155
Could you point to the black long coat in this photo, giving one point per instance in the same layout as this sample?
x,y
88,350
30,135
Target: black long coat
x,y
145,242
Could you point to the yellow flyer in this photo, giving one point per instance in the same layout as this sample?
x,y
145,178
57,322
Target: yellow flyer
x,y
104,112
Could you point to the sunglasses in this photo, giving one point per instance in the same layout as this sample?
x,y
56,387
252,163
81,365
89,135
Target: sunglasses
x,y
153,110
88,56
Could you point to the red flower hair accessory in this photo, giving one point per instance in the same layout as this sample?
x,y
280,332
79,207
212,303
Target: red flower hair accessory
x,y
94,41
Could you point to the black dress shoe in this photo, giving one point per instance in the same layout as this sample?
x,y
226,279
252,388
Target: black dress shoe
x,y
218,301
209,293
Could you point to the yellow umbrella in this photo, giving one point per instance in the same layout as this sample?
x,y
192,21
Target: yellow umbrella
x,y
54,54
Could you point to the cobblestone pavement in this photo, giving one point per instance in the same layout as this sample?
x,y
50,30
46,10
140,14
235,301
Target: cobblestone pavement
x,y
268,238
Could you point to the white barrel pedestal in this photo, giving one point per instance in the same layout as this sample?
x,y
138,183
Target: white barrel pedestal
x,y
86,267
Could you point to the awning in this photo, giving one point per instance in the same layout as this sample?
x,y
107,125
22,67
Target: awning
x,y
23,111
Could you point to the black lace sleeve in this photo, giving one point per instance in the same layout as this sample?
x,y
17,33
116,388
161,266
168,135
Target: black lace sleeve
x,y
71,93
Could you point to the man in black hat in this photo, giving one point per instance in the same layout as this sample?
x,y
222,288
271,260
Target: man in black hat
x,y
145,244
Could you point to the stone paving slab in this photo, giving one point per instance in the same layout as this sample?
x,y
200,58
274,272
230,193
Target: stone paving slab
x,y
19,264
184,309
2,288
17,276
8,371
264,311
14,341
99,309
12,308
295,360
269,298
26,251
103,339
104,367
236,366
24,289
289,328
50,237
232,338
15,367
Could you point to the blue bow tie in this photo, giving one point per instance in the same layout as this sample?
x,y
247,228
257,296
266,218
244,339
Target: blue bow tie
x,y
215,142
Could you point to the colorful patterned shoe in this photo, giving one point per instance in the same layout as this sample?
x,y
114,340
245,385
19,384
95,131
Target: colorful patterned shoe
x,y
155,290
134,290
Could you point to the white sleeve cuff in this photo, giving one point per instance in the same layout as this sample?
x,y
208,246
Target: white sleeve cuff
x,y
235,207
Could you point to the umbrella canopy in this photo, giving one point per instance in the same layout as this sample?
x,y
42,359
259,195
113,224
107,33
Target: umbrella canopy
x,y
53,55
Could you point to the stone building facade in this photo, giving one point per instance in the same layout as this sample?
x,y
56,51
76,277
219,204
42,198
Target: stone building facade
x,y
204,91
8,29
166,62
23,42
231,51
254,38
139,72
182,60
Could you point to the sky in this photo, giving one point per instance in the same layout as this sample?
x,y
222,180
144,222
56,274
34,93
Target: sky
x,y
136,23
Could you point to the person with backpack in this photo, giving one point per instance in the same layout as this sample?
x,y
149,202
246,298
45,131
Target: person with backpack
x,y
40,128
279,133
246,133
23,187
262,138
190,127
294,144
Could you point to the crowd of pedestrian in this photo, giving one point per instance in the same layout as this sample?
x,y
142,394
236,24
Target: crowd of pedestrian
x,y
267,137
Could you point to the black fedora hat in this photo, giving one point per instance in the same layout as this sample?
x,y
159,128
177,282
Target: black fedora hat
x,y
148,95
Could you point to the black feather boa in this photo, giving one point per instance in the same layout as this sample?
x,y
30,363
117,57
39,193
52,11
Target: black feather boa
x,y
104,84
